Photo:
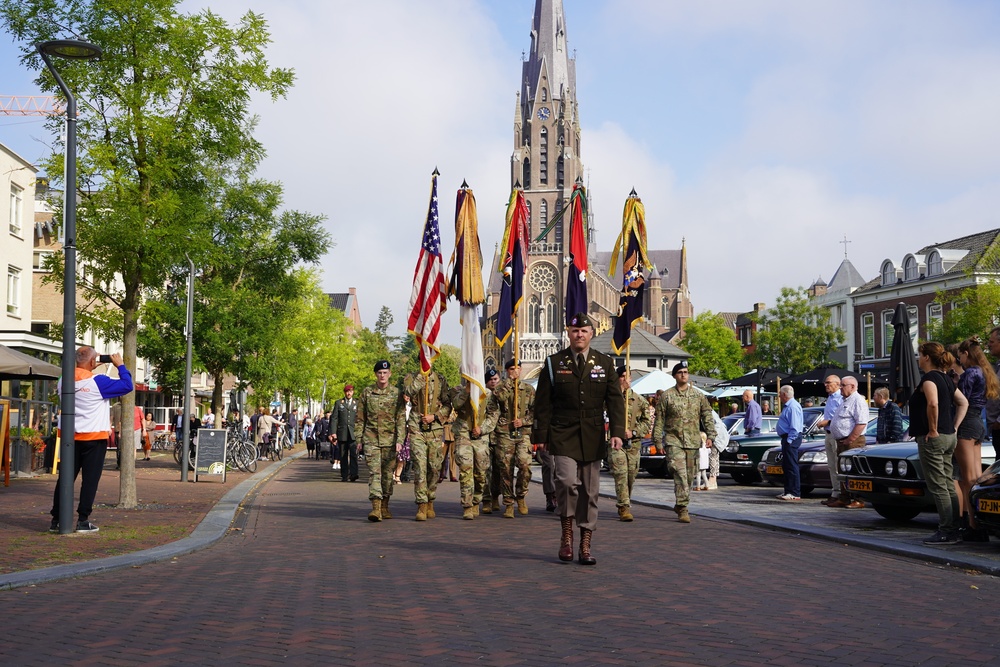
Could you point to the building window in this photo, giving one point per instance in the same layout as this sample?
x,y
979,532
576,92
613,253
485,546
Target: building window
x,y
868,336
526,174
16,208
552,315
934,266
13,291
910,269
560,172
561,225
543,215
665,311
887,331
934,317
545,94
543,157
38,260
534,315
914,317
888,273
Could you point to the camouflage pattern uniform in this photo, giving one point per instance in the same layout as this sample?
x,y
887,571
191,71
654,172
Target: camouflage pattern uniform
x,y
494,484
681,416
514,451
381,424
625,461
427,440
472,454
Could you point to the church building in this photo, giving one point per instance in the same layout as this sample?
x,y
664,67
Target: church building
x,y
546,162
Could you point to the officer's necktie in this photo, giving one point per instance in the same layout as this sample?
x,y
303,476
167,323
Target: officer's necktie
x,y
580,361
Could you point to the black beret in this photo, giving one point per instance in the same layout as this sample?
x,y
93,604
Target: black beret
x,y
490,374
679,366
511,363
581,320
381,365
621,371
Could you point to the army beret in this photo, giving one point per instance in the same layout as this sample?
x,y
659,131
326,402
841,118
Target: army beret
x,y
490,374
511,363
580,320
678,367
381,365
621,370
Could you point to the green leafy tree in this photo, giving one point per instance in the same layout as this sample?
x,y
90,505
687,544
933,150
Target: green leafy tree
x,y
795,336
447,363
716,352
167,103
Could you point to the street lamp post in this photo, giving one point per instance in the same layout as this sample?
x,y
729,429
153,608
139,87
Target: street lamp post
x,y
74,50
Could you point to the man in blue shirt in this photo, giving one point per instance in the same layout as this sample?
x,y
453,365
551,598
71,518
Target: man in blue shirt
x,y
751,420
790,430
833,400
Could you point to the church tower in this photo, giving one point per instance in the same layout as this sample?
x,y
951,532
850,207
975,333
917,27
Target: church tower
x,y
546,162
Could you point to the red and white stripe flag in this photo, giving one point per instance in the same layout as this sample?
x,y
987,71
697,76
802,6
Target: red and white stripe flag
x,y
430,293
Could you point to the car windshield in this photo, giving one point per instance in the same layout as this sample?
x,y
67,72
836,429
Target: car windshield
x,y
732,421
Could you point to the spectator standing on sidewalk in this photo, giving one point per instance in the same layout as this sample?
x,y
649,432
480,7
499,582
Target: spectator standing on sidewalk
x,y
790,429
993,404
342,432
848,429
890,418
752,418
833,400
93,427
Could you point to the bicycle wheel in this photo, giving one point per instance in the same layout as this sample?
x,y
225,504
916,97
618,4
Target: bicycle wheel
x,y
249,457
177,453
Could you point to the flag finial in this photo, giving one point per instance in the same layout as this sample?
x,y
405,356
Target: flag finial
x,y
633,193
435,172
465,185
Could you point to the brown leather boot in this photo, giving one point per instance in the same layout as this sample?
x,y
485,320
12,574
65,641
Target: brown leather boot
x,y
624,514
386,514
421,512
376,513
508,512
430,509
522,507
585,557
468,514
566,544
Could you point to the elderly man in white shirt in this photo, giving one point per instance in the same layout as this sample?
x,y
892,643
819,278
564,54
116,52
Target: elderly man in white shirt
x,y
848,428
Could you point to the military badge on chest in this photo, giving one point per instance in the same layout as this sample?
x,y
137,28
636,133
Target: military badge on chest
x,y
597,372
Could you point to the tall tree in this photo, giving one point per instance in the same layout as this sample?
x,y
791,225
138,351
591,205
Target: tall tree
x,y
795,336
164,106
713,343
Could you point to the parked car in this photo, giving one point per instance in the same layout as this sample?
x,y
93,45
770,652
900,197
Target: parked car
x,y
813,469
985,499
891,479
653,457
743,454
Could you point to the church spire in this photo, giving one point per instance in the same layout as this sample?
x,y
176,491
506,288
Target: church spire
x,y
548,73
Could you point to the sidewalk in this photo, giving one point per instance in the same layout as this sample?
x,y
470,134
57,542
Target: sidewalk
x,y
169,511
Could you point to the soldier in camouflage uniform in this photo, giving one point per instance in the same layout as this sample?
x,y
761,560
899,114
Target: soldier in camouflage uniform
x,y
431,402
381,426
681,415
513,434
494,485
472,446
625,461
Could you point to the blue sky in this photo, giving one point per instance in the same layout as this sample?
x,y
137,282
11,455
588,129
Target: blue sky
x,y
760,131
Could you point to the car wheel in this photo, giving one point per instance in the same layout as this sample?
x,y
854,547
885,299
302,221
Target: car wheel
x,y
746,478
896,513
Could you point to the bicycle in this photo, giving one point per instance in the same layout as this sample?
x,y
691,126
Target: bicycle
x,y
179,454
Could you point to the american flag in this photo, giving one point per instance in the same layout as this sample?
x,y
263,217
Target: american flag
x,y
429,296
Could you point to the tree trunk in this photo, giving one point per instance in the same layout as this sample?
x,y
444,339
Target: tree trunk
x,y
126,448
217,399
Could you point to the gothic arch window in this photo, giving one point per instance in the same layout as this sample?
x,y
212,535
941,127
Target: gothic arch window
x,y
545,94
534,315
560,172
665,311
543,215
526,174
543,157
552,314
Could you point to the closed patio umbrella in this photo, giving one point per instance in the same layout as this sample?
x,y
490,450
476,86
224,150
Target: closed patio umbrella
x,y
904,374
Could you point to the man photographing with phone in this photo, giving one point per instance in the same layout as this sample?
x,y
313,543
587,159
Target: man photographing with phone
x,y
93,422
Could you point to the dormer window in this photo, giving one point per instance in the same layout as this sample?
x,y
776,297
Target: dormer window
x,y
888,273
934,266
909,269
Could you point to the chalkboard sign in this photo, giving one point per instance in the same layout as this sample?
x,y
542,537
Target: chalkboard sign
x,y
210,456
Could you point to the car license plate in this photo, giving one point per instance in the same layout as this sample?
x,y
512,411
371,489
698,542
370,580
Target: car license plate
x,y
859,485
989,505
775,470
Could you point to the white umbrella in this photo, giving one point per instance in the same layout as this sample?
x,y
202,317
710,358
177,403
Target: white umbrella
x,y
653,382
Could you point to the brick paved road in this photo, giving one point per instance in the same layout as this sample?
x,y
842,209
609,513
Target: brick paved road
x,y
309,580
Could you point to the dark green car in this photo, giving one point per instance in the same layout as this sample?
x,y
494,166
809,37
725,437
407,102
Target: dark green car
x,y
741,456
